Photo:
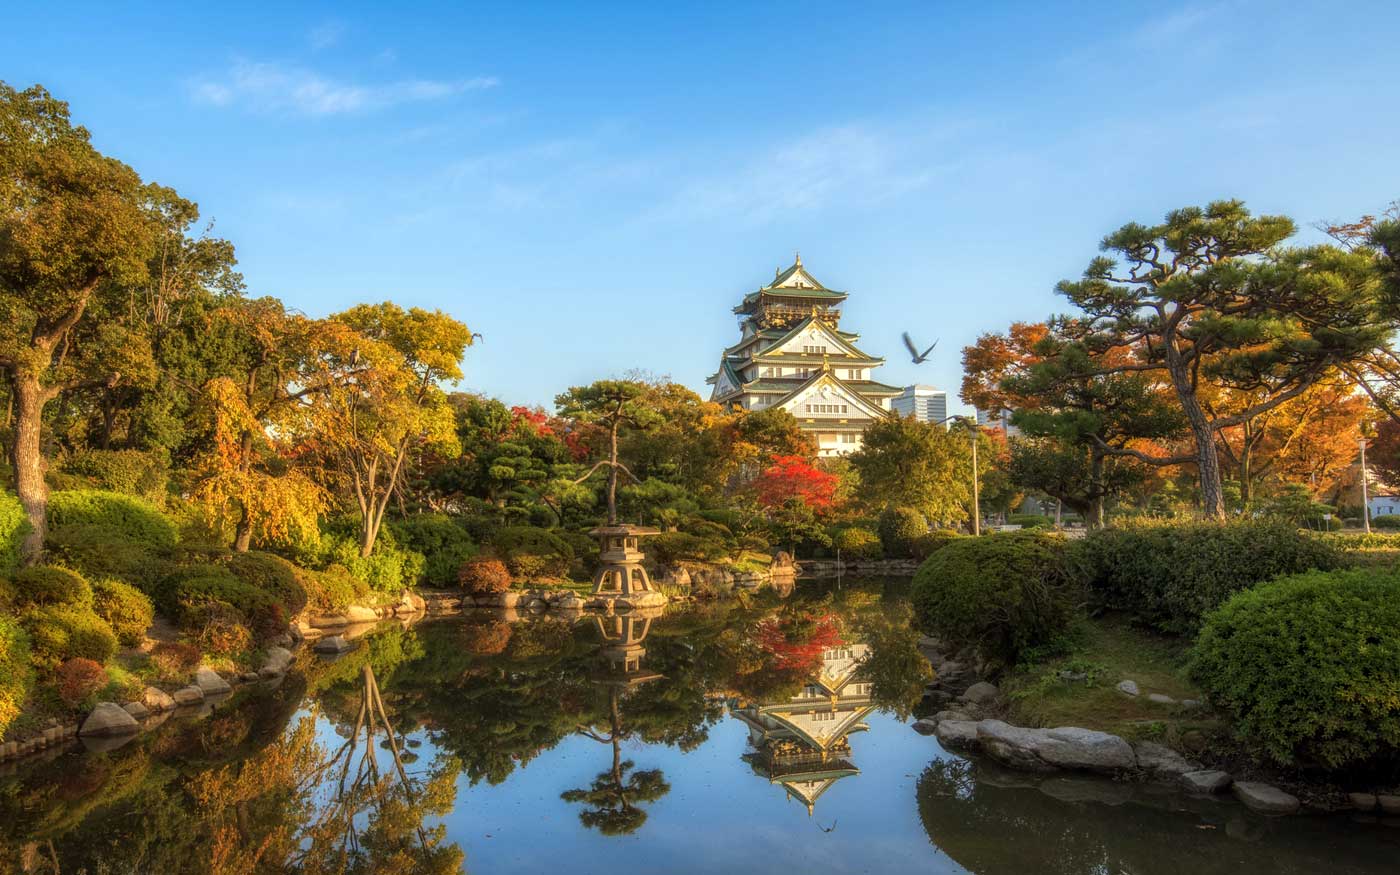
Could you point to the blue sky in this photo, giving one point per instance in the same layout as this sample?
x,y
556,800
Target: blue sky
x,y
552,173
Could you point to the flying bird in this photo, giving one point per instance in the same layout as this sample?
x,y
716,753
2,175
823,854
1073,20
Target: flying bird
x,y
919,357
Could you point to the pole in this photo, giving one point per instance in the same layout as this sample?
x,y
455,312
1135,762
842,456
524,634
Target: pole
x,y
1365,497
976,497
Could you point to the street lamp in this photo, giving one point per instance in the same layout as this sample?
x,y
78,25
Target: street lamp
x,y
1365,498
976,496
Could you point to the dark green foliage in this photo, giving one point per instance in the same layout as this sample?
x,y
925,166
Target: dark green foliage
x,y
271,574
858,543
1030,520
333,588
389,569
130,472
442,540
44,585
133,518
16,676
1389,521
669,548
899,528
929,543
190,594
59,632
1308,667
1170,574
125,608
101,552
531,552
1001,594
13,527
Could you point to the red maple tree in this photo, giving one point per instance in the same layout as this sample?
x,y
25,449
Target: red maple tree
x,y
795,477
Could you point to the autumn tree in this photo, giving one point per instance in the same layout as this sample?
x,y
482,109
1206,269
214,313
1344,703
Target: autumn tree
x,y
369,428
73,230
1208,295
907,463
795,477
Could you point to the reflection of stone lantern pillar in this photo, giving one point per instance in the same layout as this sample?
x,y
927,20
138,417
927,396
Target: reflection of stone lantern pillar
x,y
622,650
620,576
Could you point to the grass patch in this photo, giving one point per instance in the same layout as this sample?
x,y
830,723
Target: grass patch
x,y
1105,651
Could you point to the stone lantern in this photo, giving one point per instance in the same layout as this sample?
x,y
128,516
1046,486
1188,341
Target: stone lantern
x,y
620,576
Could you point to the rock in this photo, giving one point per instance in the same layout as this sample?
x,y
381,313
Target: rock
x,y
951,715
1389,804
1128,688
328,621
1363,801
190,695
1012,745
1161,760
411,603
1070,747
925,726
157,700
277,661
1073,677
1264,798
981,693
360,614
957,734
109,719
1161,699
569,602
333,644
1190,704
209,682
137,710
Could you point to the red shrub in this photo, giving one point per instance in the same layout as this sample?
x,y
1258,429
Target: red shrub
x,y
174,659
78,678
486,639
482,575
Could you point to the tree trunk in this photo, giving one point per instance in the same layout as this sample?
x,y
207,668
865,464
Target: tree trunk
x,y
28,456
1096,491
243,534
612,477
1207,455
1247,470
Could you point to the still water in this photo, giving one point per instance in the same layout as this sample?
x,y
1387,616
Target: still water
x,y
771,734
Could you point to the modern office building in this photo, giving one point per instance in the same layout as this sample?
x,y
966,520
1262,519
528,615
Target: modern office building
x,y
924,403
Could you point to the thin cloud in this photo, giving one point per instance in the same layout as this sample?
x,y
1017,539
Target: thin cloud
x,y
270,87
325,35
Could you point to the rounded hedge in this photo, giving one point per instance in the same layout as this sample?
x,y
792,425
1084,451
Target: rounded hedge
x,y
59,632
482,575
444,543
1000,594
858,543
1388,521
15,672
125,608
50,585
134,519
529,552
1308,666
1170,574
927,544
271,574
668,548
900,528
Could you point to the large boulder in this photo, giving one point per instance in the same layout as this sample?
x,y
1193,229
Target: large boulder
x,y
1070,747
1013,746
1265,798
191,695
1161,760
210,683
957,734
1205,781
361,614
109,718
137,710
157,700
278,660
981,693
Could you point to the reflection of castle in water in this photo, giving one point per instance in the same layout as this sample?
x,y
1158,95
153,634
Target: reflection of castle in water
x,y
802,743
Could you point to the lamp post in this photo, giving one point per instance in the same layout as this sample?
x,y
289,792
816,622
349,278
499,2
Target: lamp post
x,y
1365,497
976,491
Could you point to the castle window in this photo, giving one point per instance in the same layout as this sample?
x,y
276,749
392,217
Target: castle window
x,y
820,350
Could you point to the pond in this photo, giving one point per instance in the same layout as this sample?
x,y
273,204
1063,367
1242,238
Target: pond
x,y
759,734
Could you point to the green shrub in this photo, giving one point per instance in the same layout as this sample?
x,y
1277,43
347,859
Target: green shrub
x,y
900,528
1001,594
134,519
1386,522
50,585
97,552
333,588
703,528
1170,574
483,575
59,632
443,541
389,569
858,543
16,676
1030,520
669,548
130,472
190,595
531,552
926,545
271,574
125,608
1308,666
755,544
14,525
